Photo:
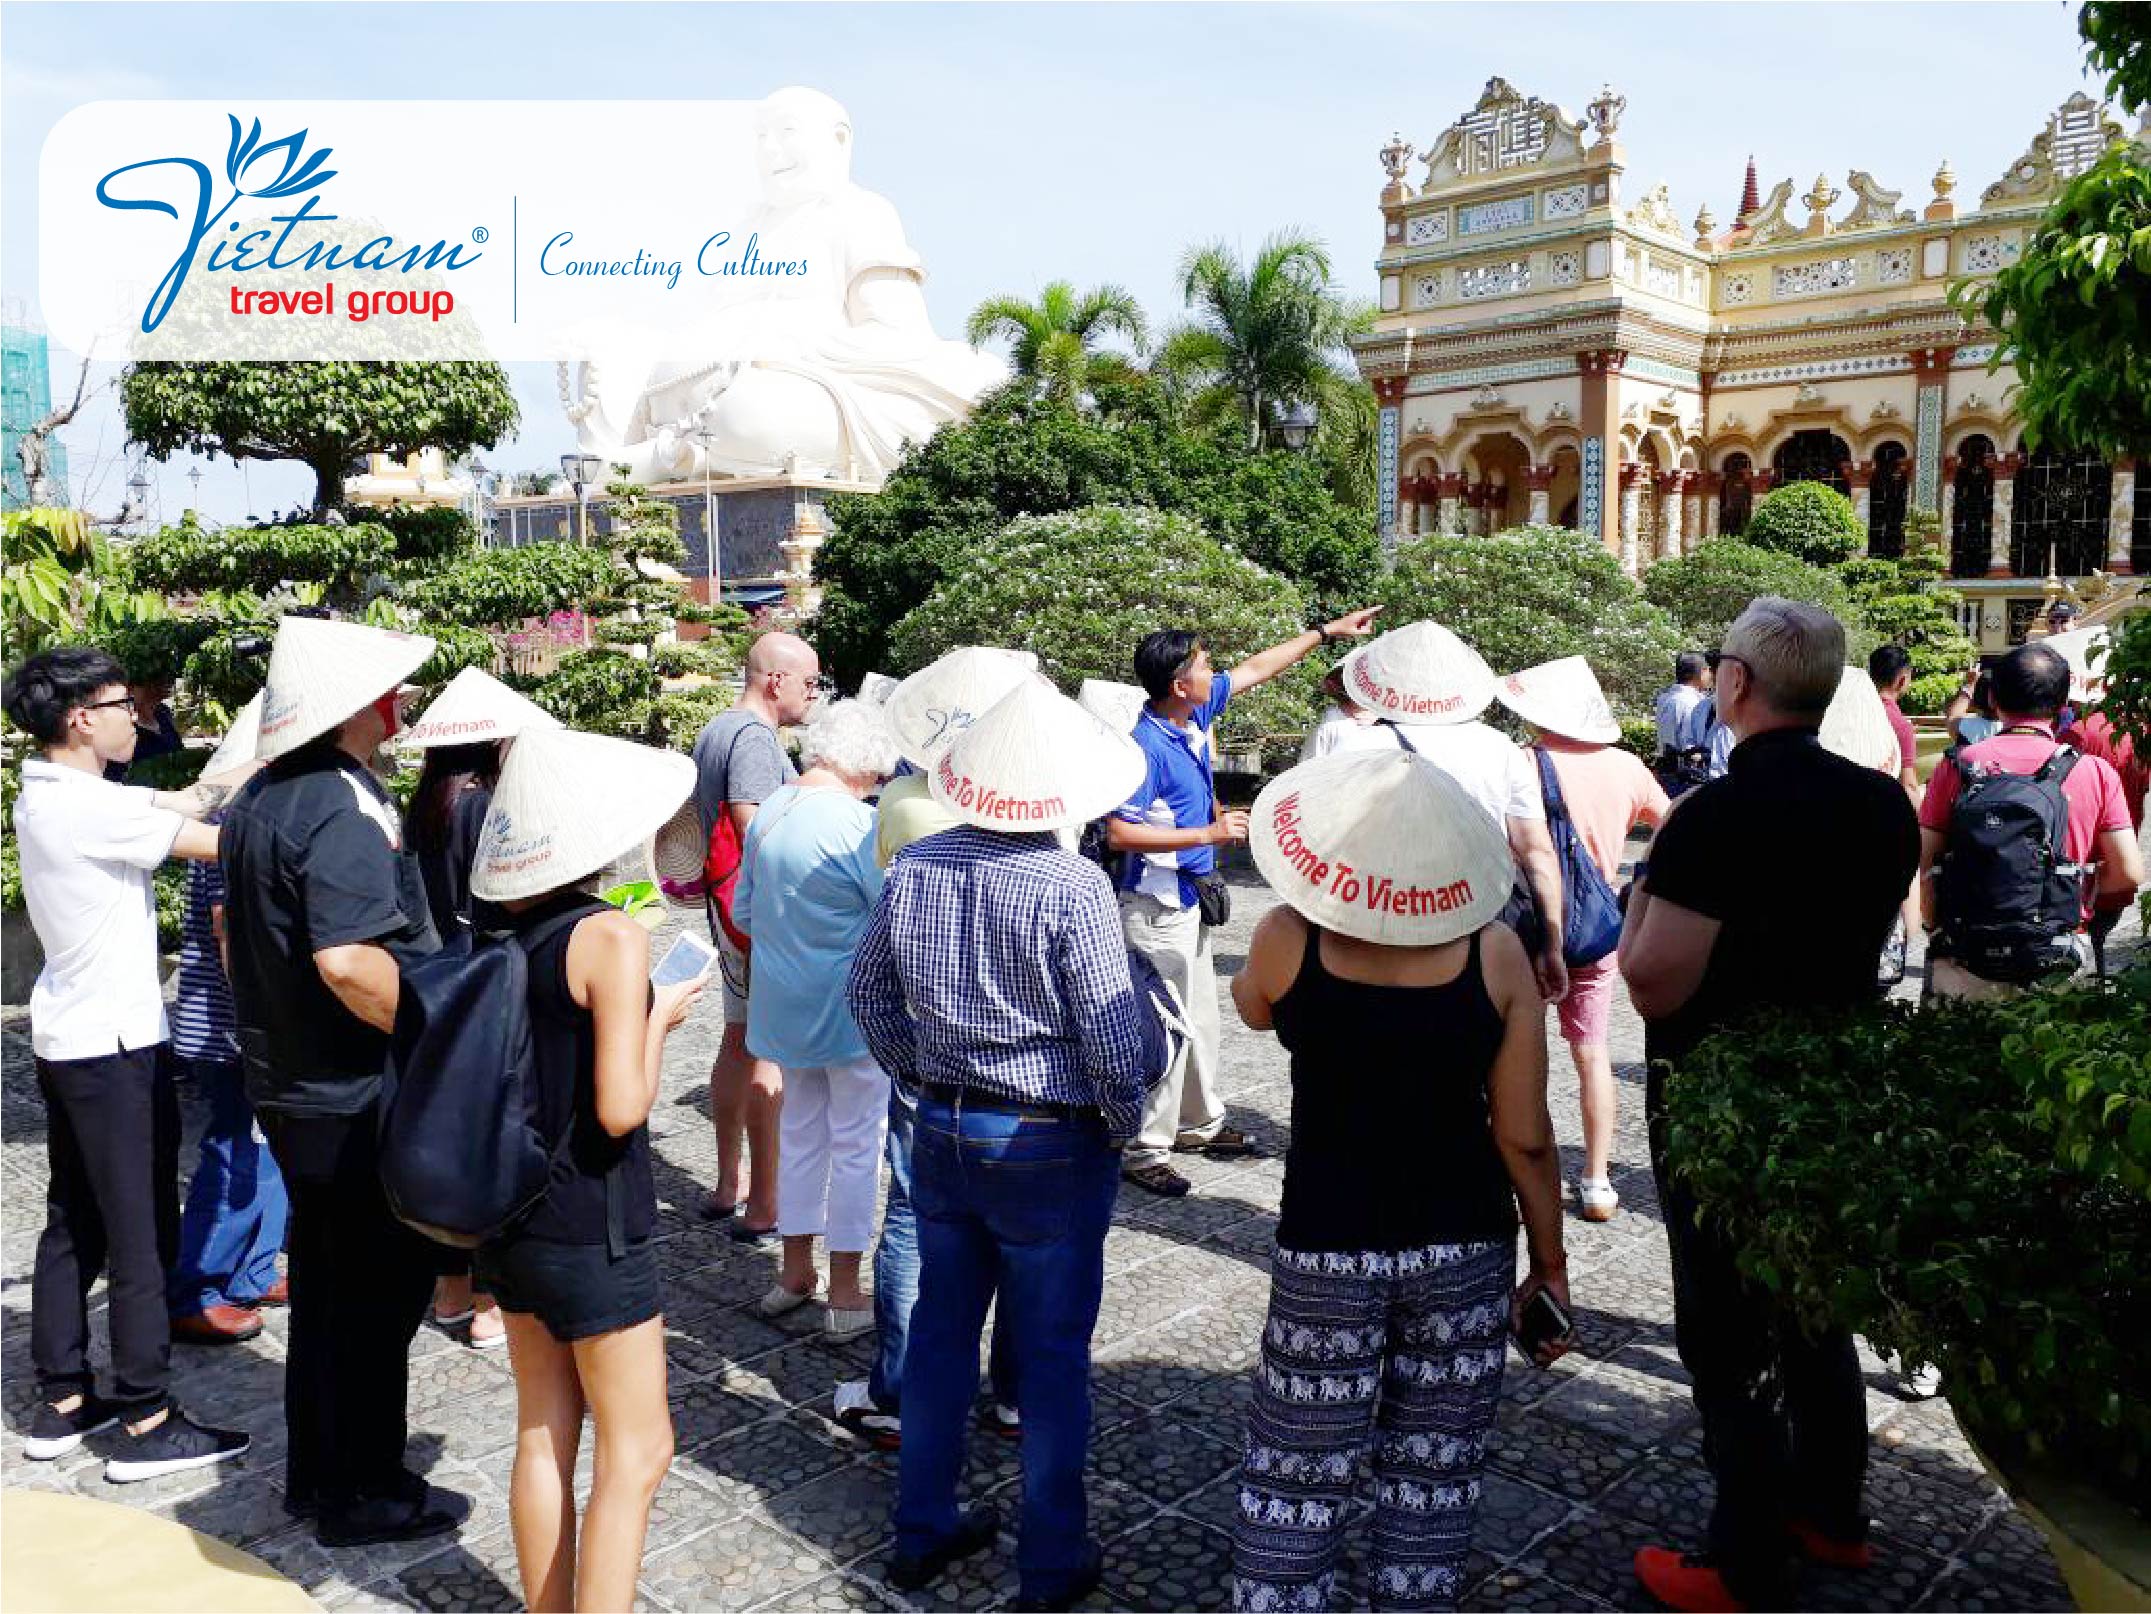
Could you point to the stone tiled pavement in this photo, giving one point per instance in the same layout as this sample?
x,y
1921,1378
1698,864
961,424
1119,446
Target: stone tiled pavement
x,y
769,1505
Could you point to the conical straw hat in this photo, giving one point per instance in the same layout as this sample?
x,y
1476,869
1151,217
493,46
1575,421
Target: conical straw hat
x,y
239,742
475,707
1116,705
1857,728
876,688
680,849
937,703
321,672
1422,673
2084,649
567,804
1036,761
1381,845
1562,697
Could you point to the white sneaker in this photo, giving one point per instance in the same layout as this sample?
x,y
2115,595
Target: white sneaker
x,y
856,1411
1600,1203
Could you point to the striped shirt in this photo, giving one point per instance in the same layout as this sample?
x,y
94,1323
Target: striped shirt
x,y
996,963
203,1026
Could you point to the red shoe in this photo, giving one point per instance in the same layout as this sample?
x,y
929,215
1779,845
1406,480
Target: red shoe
x,y
1824,1549
277,1294
216,1325
1685,1581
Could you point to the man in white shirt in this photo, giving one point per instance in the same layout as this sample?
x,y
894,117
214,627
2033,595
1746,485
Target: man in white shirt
x,y
98,1030
1675,706
1345,725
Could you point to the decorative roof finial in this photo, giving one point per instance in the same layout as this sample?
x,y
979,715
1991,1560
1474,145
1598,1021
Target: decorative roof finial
x,y
1945,181
1604,114
1394,156
1705,223
1751,195
1821,197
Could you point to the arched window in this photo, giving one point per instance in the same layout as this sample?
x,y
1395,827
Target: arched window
x,y
1972,508
1737,502
1812,456
2058,522
1887,491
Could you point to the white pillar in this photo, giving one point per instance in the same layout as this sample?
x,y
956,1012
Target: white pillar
x,y
2005,503
1691,520
1949,510
1541,507
1861,505
1669,518
1713,513
1450,518
1631,519
2121,518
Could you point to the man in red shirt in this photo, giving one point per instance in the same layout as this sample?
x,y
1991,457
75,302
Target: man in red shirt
x,y
2030,685
1889,667
2096,736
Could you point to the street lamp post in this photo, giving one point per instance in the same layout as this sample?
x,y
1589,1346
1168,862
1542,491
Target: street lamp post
x,y
194,476
138,493
581,470
713,556
1297,426
479,472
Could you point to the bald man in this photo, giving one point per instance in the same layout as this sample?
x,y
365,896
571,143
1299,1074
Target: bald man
x,y
740,764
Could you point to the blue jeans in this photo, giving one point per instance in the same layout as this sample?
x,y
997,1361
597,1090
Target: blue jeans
x,y
1018,1204
233,1224
896,1277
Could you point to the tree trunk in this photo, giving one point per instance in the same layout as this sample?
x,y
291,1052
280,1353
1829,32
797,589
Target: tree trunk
x,y
328,468
33,449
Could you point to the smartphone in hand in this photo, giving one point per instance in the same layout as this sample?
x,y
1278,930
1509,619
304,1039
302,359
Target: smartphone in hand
x,y
688,959
1544,1322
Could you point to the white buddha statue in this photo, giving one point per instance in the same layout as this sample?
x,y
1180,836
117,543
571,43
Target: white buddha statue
x,y
825,373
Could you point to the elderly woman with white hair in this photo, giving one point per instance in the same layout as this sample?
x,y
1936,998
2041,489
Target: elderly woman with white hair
x,y
807,887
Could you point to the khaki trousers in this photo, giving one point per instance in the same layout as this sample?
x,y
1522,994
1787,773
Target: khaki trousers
x,y
1186,1107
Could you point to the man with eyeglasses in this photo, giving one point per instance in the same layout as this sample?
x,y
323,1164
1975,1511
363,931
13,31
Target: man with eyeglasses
x,y
101,1040
740,763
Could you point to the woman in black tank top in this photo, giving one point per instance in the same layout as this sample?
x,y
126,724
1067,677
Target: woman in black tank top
x,y
577,1275
1419,1130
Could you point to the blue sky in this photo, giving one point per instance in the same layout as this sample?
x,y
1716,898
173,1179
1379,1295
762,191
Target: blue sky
x,y
1024,143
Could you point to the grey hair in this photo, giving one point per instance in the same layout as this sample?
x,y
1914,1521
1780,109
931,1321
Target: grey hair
x,y
1795,653
851,738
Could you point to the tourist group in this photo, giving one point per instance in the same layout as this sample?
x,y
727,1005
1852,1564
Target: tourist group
x,y
966,939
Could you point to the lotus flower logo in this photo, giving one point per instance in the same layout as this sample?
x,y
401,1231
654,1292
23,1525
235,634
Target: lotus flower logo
x,y
253,169
249,162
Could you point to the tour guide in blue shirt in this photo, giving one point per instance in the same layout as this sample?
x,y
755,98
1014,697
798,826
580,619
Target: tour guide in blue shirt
x,y
1170,829
993,983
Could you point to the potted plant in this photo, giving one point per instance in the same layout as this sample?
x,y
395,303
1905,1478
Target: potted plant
x,y
1967,1185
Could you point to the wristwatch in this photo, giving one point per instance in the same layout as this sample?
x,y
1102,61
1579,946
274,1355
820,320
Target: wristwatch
x,y
1321,634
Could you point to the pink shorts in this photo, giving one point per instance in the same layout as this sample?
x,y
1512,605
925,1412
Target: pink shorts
x,y
1587,1011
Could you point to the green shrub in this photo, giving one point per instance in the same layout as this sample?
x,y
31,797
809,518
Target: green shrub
x,y
423,537
499,588
454,648
155,650
1965,1184
604,691
1809,521
1082,588
1534,594
1706,589
678,717
705,658
2128,679
192,559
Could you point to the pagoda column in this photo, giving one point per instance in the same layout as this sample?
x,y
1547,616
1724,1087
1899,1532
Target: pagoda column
x,y
2005,504
1859,476
1670,508
1948,508
1713,485
1407,521
1930,373
1449,513
2121,517
1691,510
1539,480
1598,495
1632,475
1388,436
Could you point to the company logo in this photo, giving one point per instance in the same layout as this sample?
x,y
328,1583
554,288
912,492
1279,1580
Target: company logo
x,y
267,171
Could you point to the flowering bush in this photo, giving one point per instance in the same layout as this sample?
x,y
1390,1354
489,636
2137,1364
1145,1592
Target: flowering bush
x,y
1081,588
1534,594
1712,584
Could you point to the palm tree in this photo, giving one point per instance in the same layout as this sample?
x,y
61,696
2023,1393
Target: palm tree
x,y
1054,341
1266,337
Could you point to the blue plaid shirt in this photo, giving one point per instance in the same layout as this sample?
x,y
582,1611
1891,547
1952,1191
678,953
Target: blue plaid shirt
x,y
996,962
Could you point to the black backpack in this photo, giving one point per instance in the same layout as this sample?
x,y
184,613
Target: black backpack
x,y
2006,904
462,1155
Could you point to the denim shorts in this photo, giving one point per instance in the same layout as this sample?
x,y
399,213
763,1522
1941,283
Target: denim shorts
x,y
577,1290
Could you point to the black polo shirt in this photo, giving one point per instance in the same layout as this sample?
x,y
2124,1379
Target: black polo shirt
x,y
1803,858
313,858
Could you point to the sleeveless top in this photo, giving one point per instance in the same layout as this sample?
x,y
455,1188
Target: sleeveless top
x,y
563,1035
1392,1140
